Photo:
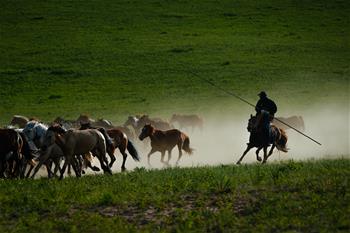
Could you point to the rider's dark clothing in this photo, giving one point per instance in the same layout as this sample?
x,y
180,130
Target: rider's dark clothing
x,y
266,104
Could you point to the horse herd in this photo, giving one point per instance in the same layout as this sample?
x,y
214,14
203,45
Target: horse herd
x,y
27,144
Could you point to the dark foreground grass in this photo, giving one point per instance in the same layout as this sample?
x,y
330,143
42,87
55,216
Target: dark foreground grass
x,y
111,58
308,196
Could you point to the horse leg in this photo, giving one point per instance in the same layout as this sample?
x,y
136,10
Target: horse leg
x,y
244,153
162,157
257,154
66,162
42,160
169,156
112,159
271,150
69,172
30,170
122,148
265,154
76,168
48,168
149,155
103,161
124,160
179,146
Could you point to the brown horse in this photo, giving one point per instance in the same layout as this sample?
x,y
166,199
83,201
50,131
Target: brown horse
x,y
77,142
165,141
295,121
121,141
187,121
262,134
11,158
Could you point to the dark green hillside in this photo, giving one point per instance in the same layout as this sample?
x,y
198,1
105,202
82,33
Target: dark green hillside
x,y
113,58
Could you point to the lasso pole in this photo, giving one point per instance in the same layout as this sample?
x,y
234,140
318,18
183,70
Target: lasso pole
x,y
247,102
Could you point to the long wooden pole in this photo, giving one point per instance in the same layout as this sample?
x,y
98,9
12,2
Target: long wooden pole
x,y
247,102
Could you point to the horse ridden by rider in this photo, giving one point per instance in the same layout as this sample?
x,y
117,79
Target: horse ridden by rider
x,y
262,133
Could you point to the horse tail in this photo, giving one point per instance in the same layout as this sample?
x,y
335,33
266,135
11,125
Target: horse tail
x,y
282,141
132,151
186,146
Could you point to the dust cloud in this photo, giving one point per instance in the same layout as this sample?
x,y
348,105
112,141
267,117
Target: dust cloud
x,y
223,140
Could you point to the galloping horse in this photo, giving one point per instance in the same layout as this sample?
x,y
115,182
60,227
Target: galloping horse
x,y
78,142
165,141
11,158
262,134
121,141
187,121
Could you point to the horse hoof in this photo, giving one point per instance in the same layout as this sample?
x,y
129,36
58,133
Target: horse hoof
x,y
83,172
96,169
258,158
238,163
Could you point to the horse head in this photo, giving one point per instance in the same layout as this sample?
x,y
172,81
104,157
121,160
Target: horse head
x,y
251,123
50,136
146,131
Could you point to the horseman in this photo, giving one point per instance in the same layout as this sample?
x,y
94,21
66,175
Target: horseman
x,y
265,104
266,107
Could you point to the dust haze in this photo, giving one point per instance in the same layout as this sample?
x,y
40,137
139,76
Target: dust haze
x,y
224,139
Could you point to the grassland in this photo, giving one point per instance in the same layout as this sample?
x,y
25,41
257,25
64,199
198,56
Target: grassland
x,y
114,58
311,196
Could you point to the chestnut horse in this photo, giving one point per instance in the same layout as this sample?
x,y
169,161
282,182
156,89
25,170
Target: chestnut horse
x,y
187,121
262,134
121,141
165,141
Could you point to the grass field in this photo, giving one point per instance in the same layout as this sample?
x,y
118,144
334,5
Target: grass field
x,y
311,196
114,58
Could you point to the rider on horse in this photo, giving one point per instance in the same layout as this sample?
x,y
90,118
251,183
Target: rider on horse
x,y
266,104
266,107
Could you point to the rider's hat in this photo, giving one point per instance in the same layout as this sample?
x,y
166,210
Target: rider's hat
x,y
262,94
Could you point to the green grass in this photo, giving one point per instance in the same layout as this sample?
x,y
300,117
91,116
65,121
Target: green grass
x,y
310,196
114,58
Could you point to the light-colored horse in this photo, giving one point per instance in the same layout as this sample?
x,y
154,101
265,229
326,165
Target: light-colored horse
x,y
78,142
20,121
